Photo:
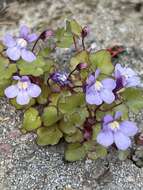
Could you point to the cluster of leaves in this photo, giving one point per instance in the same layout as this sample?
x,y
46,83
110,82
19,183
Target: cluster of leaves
x,y
62,112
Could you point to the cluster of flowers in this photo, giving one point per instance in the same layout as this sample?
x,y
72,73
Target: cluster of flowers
x,y
96,91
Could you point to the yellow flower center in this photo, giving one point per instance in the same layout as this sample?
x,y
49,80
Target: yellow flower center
x,y
21,42
98,85
114,125
22,85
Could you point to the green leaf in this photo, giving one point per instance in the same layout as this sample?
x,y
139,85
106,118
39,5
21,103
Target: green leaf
x,y
48,136
89,145
31,120
67,127
123,155
75,27
50,116
69,104
96,130
6,69
59,33
76,137
66,41
71,122
48,64
3,84
134,99
1,46
81,57
43,98
100,152
64,38
36,68
45,52
102,60
75,152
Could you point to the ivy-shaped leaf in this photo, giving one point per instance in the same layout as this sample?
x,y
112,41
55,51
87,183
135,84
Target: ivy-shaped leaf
x,y
76,137
45,92
50,116
102,60
134,99
99,152
69,104
64,38
75,27
75,152
48,136
95,131
6,69
36,68
3,84
67,127
123,155
31,120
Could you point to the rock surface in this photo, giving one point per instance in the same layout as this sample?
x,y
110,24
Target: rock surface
x,y
24,165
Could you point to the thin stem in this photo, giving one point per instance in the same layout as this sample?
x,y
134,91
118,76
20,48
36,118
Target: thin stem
x,y
35,43
110,107
75,44
72,72
83,45
78,86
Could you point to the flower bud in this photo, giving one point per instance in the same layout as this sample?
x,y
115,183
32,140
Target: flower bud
x,y
81,66
85,31
47,34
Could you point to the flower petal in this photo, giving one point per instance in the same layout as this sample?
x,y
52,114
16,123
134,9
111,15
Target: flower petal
x,y
133,81
93,97
107,96
11,91
97,72
16,77
24,31
23,98
90,80
28,55
122,141
13,53
118,114
128,128
32,37
25,78
109,83
105,138
9,41
34,90
119,68
107,119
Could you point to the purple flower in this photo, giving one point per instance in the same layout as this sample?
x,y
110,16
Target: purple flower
x,y
60,77
116,132
24,90
18,46
125,77
98,92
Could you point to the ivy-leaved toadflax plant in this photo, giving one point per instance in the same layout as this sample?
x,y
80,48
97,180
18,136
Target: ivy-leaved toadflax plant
x,y
87,105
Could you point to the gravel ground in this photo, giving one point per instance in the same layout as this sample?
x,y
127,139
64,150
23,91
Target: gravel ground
x,y
24,165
